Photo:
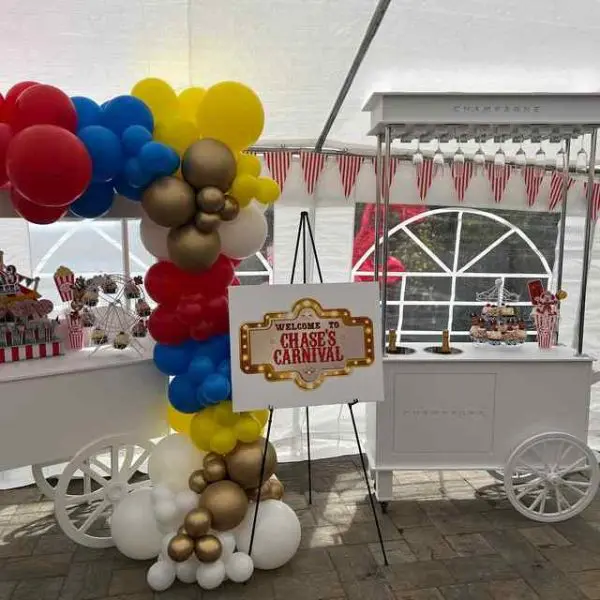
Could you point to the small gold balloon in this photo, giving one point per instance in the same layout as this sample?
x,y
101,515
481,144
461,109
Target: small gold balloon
x,y
215,471
192,250
230,210
208,548
244,463
197,522
226,502
207,222
277,489
210,199
181,531
210,457
169,202
197,482
207,163
180,548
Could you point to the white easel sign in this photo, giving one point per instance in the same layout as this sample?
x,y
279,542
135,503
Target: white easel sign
x,y
304,345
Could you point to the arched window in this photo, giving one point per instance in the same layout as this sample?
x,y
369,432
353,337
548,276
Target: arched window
x,y
441,258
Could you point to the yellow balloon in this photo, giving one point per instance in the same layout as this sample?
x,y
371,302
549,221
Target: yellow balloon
x,y
224,414
243,189
178,421
267,191
189,101
176,132
248,164
202,428
223,441
247,429
262,416
158,95
231,113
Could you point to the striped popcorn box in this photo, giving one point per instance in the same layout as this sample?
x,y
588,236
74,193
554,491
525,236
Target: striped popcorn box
x,y
546,326
64,279
76,339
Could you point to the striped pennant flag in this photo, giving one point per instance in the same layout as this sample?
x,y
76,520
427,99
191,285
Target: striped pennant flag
x,y
462,177
533,177
556,188
312,166
595,198
424,177
349,166
279,165
498,177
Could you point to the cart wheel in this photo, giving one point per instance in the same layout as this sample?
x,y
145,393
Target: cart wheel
x,y
84,517
521,477
565,477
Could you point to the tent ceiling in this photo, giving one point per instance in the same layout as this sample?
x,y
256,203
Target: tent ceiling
x,y
296,53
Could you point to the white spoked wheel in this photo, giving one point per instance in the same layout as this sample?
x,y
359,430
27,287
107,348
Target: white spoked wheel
x,y
565,477
84,514
499,476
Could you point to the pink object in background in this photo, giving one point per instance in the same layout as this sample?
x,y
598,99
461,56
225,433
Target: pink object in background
x,y
545,323
64,285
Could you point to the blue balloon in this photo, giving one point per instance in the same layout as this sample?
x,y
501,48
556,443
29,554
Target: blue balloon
x,y
128,191
216,348
88,111
135,174
158,159
224,369
104,148
172,360
123,111
200,368
215,388
94,202
134,138
183,395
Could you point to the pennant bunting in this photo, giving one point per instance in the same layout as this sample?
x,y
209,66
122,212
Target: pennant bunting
x,y
278,164
533,178
312,166
595,198
462,177
498,177
556,188
349,166
394,162
424,177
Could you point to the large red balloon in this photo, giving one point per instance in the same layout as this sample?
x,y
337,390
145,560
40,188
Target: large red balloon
x,y
44,105
5,137
166,283
215,280
1,107
48,165
11,97
214,319
166,328
34,213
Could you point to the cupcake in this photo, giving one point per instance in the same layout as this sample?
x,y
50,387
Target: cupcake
x,y
99,337
131,290
494,336
121,340
90,298
108,285
139,330
87,318
142,308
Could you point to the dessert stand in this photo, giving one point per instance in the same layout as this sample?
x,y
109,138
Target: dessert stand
x,y
519,411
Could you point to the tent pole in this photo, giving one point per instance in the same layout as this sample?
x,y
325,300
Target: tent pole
x,y
563,217
372,28
377,207
386,228
589,238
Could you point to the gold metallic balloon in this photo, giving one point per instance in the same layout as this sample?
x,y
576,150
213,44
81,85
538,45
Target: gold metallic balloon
x,y
244,463
207,163
207,222
208,549
230,210
226,502
197,482
210,457
210,199
192,250
276,489
181,531
215,470
180,548
169,202
197,522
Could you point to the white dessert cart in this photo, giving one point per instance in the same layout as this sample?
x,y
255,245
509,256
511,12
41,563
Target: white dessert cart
x,y
518,411
90,418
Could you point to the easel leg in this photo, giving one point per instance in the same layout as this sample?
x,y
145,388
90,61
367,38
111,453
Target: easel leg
x,y
262,474
365,473
308,456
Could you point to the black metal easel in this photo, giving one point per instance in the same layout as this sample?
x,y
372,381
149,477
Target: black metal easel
x,y
304,230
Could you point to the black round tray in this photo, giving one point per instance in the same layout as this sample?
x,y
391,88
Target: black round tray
x,y
401,350
438,350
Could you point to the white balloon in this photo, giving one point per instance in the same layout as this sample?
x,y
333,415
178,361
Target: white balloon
x,y
164,544
154,238
245,235
172,462
133,526
186,501
162,492
186,571
239,567
260,206
227,539
277,535
210,575
160,576
165,512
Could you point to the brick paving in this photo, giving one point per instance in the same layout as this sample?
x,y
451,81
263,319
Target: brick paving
x,y
449,536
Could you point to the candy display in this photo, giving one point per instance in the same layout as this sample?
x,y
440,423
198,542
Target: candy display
x,y
545,312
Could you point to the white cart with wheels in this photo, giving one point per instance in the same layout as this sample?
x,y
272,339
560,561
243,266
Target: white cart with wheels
x,y
88,419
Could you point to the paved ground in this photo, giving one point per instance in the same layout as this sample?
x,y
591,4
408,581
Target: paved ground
x,y
449,537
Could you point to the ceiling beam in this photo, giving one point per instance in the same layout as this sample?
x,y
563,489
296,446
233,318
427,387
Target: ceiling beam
x,y
374,24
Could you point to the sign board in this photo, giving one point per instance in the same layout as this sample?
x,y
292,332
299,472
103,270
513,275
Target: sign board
x,y
305,345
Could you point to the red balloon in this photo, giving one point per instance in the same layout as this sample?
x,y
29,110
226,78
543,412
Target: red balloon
x,y
5,137
1,107
166,328
48,165
191,309
214,321
34,213
166,283
11,98
215,280
44,105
